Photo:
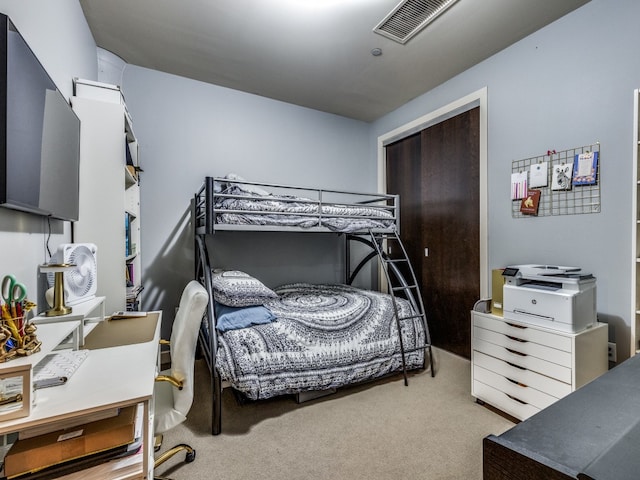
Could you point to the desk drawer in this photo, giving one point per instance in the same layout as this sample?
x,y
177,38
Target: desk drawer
x,y
524,347
502,401
521,375
518,391
536,364
524,332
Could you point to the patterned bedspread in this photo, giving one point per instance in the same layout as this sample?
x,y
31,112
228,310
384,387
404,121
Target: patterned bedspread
x,y
284,210
326,336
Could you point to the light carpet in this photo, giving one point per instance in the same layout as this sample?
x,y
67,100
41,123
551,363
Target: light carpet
x,y
431,429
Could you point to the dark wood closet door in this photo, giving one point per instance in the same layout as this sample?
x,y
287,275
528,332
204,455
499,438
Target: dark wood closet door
x,y
406,181
440,187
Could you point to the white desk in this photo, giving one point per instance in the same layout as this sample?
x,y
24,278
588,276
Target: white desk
x,y
109,377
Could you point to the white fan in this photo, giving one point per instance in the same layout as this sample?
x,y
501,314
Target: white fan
x,y
81,281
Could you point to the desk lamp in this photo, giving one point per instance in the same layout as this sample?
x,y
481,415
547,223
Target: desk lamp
x,y
59,307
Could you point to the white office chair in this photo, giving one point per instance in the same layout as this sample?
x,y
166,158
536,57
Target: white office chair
x,y
173,393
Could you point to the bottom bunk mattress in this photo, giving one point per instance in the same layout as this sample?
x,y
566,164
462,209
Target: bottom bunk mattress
x,y
324,336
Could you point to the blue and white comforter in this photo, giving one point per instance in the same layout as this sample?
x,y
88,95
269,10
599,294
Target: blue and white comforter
x,y
326,336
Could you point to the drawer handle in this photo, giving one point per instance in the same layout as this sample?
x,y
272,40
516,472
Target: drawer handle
x,y
515,366
515,382
516,399
516,339
515,352
516,326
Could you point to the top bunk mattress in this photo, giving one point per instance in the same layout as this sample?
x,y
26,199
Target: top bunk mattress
x,y
232,203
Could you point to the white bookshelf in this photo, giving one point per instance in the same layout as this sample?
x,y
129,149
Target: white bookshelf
x,y
635,237
109,213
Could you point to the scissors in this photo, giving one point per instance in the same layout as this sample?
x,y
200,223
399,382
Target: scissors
x,y
13,292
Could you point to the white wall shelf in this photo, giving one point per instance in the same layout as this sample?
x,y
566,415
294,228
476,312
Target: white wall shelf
x,y
79,313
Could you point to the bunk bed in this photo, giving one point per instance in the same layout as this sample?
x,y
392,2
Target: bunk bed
x,y
302,338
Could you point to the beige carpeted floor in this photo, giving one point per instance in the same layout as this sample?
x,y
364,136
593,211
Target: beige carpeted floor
x,y
431,429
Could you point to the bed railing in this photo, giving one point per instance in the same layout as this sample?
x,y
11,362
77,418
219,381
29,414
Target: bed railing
x,y
207,336
319,206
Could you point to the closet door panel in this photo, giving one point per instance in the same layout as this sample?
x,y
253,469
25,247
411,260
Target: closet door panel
x,y
451,228
404,172
436,173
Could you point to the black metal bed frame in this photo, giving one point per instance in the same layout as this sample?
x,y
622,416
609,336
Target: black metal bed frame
x,y
204,215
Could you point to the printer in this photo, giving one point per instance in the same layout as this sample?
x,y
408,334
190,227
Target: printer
x,y
556,297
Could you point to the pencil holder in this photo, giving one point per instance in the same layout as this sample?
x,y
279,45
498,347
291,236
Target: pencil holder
x,y
17,338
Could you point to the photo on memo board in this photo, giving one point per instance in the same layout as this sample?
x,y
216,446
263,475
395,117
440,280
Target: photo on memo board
x,y
529,205
561,178
585,168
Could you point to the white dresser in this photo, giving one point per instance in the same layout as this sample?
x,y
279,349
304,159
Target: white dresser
x,y
521,368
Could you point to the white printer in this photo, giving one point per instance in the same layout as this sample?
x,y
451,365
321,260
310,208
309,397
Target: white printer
x,y
561,298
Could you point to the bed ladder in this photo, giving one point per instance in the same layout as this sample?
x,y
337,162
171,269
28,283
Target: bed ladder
x,y
397,283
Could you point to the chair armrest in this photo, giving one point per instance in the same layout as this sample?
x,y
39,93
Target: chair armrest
x,y
164,342
172,380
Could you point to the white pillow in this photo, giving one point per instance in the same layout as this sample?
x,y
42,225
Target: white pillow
x,y
238,289
253,189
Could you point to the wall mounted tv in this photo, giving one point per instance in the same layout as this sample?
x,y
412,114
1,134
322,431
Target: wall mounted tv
x,y
39,134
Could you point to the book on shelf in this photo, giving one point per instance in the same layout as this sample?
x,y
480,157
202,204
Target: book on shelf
x,y
127,234
129,274
128,156
133,291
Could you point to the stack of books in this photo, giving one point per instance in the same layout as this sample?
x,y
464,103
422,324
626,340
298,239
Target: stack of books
x,y
133,292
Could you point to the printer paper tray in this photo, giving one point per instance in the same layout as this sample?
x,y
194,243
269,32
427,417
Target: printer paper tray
x,y
542,321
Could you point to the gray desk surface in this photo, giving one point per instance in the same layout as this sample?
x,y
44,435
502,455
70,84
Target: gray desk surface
x,y
593,433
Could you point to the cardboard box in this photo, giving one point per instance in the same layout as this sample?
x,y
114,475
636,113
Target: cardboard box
x,y
497,286
37,453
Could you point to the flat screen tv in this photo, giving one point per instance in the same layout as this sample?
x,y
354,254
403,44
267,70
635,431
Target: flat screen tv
x,y
39,134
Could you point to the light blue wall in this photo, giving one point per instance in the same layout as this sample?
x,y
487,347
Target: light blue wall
x,y
188,130
59,36
567,85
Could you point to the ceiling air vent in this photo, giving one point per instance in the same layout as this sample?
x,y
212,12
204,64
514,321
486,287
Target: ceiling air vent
x,y
409,17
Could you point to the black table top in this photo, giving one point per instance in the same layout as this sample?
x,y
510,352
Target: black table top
x,y
593,433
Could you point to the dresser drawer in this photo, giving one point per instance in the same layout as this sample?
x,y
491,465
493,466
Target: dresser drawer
x,y
502,401
517,391
521,375
524,332
530,362
525,347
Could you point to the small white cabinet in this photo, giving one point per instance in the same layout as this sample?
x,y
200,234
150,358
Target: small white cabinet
x,y
521,368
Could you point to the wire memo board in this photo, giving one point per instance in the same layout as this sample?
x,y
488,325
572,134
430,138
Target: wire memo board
x,y
575,200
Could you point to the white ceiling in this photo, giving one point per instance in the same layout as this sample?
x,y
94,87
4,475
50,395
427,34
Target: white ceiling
x,y
313,53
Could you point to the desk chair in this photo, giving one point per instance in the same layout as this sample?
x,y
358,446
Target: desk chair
x,y
173,392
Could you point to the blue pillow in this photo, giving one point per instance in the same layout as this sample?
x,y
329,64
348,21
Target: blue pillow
x,y
232,318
